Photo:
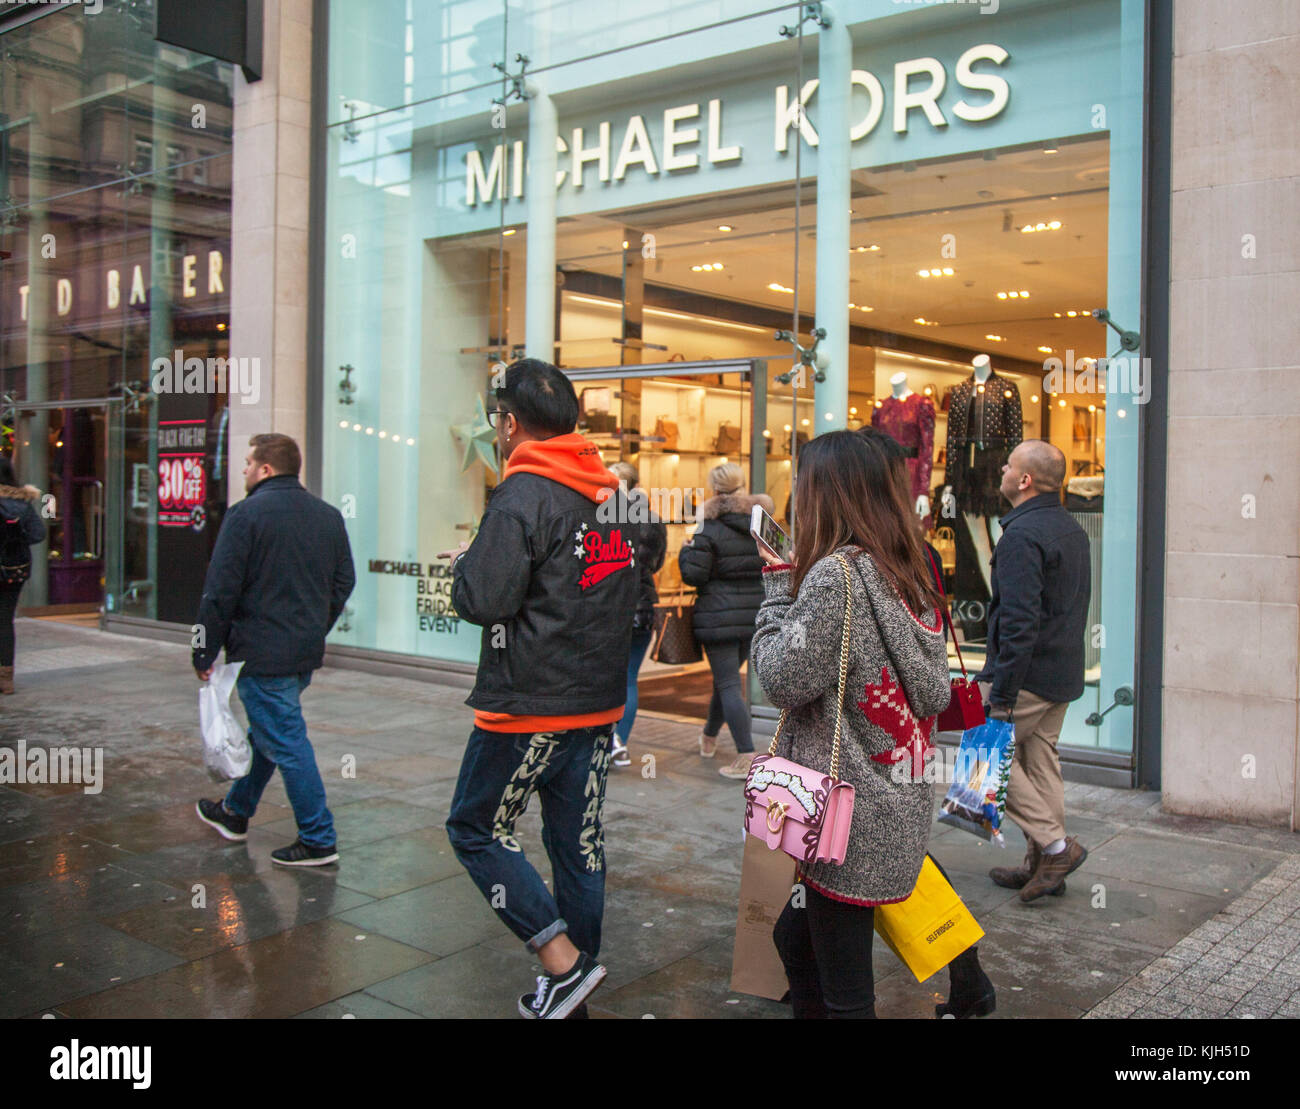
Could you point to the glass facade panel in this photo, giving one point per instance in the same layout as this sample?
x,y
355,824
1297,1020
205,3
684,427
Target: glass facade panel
x,y
994,183
115,228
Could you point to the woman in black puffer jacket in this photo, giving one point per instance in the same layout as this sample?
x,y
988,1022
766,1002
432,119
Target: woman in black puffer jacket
x,y
722,562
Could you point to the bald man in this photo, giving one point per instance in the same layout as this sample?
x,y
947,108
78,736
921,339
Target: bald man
x,y
1034,666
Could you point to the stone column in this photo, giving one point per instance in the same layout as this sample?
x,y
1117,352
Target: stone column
x,y
268,233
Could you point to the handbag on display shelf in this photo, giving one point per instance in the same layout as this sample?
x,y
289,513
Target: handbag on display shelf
x,y
666,430
727,440
779,793
675,644
945,542
966,706
799,439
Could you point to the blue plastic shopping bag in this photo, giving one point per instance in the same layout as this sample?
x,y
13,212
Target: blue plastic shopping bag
x,y
977,798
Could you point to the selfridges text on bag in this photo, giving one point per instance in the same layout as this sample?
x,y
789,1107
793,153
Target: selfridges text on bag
x,y
226,751
977,798
804,812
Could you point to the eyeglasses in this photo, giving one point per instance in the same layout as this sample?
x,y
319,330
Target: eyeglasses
x,y
496,415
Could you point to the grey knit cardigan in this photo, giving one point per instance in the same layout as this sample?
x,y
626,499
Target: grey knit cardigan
x,y
897,680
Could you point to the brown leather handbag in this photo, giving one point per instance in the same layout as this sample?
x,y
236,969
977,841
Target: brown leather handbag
x,y
675,643
727,440
666,430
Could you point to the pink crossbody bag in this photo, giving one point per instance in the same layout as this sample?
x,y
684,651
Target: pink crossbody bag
x,y
801,811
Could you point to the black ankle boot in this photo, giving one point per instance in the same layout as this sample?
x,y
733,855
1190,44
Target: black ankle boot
x,y
970,993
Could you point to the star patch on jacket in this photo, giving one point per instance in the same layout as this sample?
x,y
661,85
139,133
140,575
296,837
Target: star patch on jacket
x,y
602,555
886,707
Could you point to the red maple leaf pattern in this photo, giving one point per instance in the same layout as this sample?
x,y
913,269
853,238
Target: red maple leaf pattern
x,y
886,707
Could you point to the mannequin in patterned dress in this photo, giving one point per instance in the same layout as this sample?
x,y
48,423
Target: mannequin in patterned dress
x,y
908,418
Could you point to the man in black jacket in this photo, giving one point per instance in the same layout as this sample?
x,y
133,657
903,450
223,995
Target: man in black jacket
x,y
279,576
551,579
1034,666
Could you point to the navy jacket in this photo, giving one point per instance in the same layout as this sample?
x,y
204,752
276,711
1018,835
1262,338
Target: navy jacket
x,y
1037,619
19,504
722,561
279,576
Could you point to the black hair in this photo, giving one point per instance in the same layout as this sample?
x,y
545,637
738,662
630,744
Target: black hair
x,y
541,398
7,475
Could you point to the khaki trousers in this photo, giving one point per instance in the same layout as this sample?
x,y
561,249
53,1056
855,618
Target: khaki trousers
x,y
1036,792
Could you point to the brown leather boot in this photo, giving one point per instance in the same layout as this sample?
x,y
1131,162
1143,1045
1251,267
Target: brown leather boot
x,y
6,679
1015,878
1052,869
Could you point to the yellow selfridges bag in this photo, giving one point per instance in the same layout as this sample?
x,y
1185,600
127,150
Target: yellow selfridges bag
x,y
930,928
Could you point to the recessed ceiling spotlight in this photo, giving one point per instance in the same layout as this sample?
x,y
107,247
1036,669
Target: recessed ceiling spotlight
x,y
995,338
724,227
1046,350
1050,150
510,231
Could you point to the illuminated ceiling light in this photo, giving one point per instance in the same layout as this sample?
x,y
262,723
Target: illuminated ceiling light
x,y
864,249
1027,229
1071,313
1055,225
936,273
777,287
787,427
880,404
1033,399
1092,408
383,435
928,390
410,442
1046,350
1013,294
510,231
1121,413
624,244
995,338
1002,296
922,273
1061,403
947,271
356,427
370,431
830,415
1023,293
853,411
343,423
221,327
852,305
805,421
767,434
1049,150
717,265
1057,315
724,227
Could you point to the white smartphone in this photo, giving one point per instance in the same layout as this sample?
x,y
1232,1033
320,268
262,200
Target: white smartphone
x,y
767,533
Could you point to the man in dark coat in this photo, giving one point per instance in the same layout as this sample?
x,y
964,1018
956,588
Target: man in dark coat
x,y
279,576
1034,666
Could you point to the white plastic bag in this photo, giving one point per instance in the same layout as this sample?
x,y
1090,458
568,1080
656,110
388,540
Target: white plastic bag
x,y
226,751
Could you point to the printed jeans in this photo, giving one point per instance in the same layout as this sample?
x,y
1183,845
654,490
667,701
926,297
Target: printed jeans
x,y
499,775
278,734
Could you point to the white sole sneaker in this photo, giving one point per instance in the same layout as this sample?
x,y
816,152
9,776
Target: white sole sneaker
x,y
324,860
234,837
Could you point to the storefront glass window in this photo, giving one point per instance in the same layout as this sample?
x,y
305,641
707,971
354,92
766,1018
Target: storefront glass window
x,y
993,163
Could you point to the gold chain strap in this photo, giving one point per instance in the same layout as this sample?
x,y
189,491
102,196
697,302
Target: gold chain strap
x,y
844,673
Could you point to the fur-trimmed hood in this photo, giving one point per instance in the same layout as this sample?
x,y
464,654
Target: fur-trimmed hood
x,y
24,493
726,503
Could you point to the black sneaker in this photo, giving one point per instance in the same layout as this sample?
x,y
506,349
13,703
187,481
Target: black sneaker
x,y
214,814
558,995
299,854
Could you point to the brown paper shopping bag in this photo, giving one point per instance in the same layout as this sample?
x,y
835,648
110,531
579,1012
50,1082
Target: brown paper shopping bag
x,y
766,878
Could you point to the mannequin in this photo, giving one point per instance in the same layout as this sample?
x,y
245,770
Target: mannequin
x,y
984,426
909,418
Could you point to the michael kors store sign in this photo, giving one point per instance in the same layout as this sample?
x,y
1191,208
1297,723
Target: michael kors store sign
x,y
695,134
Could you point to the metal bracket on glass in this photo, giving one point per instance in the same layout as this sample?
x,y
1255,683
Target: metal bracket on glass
x,y
131,595
347,387
516,80
134,395
345,623
1128,340
351,132
1123,696
810,11
807,356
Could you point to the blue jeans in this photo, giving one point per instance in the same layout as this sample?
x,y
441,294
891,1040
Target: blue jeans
x,y
278,734
640,644
500,773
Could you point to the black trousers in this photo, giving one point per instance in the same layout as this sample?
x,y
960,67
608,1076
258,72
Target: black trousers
x,y
8,606
826,950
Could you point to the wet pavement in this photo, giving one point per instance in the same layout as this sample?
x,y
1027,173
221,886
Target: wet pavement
x,y
122,904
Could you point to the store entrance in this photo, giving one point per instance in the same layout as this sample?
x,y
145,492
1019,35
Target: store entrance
x,y
62,449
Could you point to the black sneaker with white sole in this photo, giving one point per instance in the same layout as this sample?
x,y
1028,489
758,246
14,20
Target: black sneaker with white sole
x,y
214,814
300,854
558,995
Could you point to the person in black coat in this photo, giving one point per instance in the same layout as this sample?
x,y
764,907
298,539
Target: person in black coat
x,y
21,528
722,562
279,576
651,544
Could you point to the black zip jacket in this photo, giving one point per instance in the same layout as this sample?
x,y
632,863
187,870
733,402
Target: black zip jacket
x,y
651,546
722,562
279,576
554,588
1037,619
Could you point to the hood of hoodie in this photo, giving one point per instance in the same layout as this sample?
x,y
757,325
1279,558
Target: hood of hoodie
x,y
569,459
735,504
914,642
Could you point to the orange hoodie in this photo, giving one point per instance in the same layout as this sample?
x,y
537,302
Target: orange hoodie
x,y
572,461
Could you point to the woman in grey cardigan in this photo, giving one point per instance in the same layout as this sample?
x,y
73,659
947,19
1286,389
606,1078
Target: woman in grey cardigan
x,y
848,504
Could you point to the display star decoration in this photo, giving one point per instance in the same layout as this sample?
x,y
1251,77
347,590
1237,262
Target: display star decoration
x,y
886,707
478,438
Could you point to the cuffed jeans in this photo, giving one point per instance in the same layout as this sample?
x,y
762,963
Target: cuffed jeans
x,y
640,644
728,700
278,735
499,775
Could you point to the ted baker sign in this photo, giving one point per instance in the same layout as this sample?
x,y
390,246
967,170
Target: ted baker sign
x,y
693,135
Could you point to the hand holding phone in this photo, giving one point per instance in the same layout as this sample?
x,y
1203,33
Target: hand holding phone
x,y
773,543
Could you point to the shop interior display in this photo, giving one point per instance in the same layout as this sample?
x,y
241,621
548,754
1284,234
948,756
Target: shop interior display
x,y
909,418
